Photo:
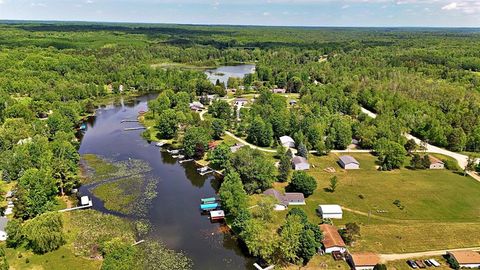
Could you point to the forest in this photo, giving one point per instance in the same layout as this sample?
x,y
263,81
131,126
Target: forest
x,y
420,81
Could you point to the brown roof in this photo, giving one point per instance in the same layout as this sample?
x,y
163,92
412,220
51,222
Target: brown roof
x,y
466,257
434,160
365,259
331,237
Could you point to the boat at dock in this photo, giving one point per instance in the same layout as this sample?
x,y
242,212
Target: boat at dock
x,y
160,144
209,206
208,200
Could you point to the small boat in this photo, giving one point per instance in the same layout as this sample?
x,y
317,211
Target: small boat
x,y
173,152
83,126
203,169
209,206
209,200
180,157
160,144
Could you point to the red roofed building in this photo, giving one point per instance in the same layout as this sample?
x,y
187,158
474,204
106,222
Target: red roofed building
x,y
332,241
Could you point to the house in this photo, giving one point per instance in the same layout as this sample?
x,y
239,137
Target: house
x,y
289,198
363,261
287,141
279,91
196,106
332,211
236,147
466,259
300,163
332,241
435,163
211,98
3,225
241,101
349,163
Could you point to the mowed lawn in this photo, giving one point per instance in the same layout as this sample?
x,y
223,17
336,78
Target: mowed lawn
x,y
441,209
426,195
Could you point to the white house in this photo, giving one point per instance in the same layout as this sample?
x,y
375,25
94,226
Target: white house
x,y
3,224
466,259
363,261
241,102
300,163
332,211
279,91
435,163
349,163
287,141
332,241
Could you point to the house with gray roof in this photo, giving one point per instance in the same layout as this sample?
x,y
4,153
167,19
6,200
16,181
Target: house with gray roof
x,y
349,163
289,198
287,141
3,225
300,163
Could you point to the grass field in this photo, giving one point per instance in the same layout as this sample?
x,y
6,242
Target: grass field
x,y
441,209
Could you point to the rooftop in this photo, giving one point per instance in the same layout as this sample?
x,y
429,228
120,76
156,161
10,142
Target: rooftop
x,y
466,257
434,159
331,237
365,259
349,160
3,223
330,208
299,160
286,139
289,197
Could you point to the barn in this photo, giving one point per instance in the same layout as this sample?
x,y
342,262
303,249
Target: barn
x,y
332,241
332,211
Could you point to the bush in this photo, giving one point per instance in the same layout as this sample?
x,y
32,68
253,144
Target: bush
x,y
451,165
302,182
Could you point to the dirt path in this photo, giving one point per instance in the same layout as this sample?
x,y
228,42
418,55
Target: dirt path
x,y
407,256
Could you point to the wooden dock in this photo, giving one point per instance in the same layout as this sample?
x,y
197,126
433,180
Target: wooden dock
x,y
185,160
90,204
129,121
134,128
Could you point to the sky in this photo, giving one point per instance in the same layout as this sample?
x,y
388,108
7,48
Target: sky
x,y
432,13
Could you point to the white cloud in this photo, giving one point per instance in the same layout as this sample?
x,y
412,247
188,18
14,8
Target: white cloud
x,y
450,6
1,2
266,13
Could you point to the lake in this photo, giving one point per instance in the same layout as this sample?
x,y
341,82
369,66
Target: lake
x,y
174,213
224,72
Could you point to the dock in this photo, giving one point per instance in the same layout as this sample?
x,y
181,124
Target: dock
x,y
260,268
204,170
129,121
83,206
185,160
134,128
217,215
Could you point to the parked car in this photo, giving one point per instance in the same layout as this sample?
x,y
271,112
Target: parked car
x,y
427,263
434,262
420,264
412,264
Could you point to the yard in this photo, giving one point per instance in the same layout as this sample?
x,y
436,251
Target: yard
x,y
436,210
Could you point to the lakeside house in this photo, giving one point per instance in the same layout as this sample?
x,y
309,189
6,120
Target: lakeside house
x,y
332,241
196,106
300,163
241,102
331,211
435,163
349,163
287,199
236,147
287,141
466,258
279,91
363,261
3,225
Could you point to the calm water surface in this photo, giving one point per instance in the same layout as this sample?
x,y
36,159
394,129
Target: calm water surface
x,y
174,213
224,72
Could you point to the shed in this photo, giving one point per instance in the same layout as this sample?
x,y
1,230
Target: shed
x,y
287,141
332,241
3,225
349,163
363,261
435,163
332,211
466,259
300,163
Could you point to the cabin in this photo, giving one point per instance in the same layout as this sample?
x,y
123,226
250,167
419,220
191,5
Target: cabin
x,y
287,141
289,198
300,163
236,147
435,163
217,215
363,261
331,211
466,259
349,163
279,91
241,102
3,225
332,241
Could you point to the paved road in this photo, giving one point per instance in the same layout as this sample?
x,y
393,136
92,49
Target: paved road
x,y
460,158
407,256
